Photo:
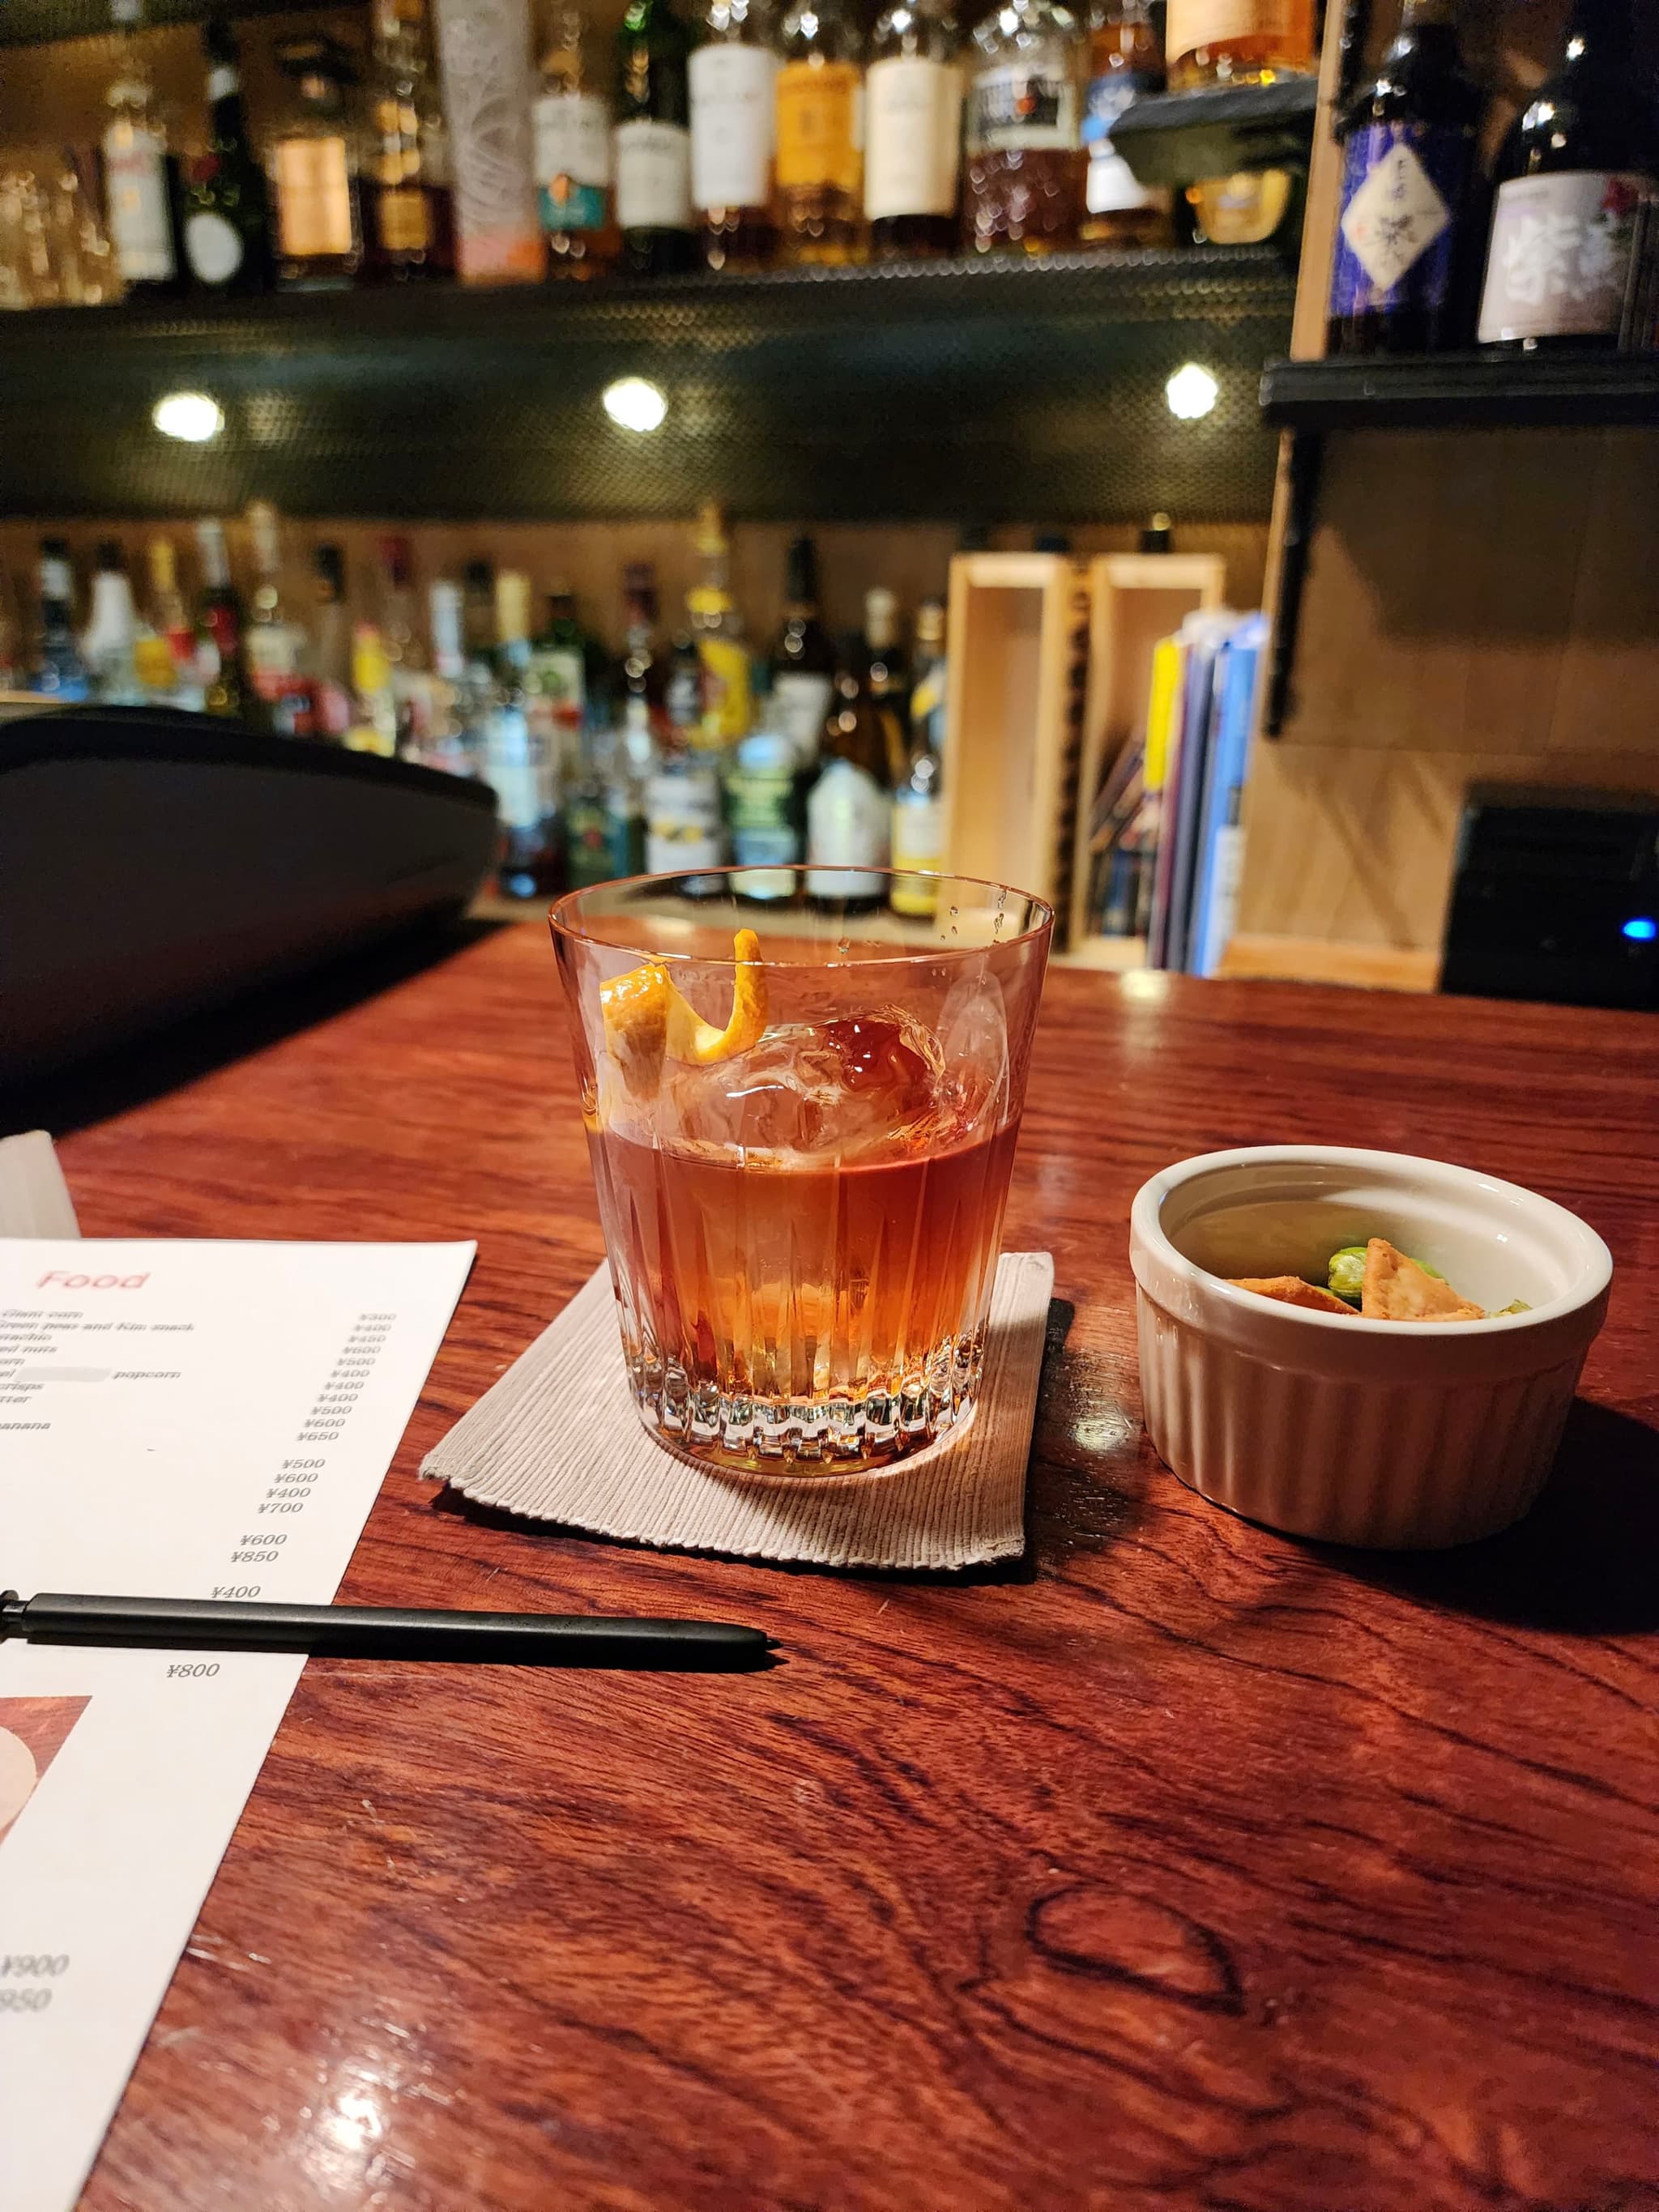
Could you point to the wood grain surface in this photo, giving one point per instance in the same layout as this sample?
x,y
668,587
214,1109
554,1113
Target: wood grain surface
x,y
1180,1865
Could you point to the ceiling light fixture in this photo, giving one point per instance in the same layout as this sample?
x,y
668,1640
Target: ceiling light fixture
x,y
191,416
1192,392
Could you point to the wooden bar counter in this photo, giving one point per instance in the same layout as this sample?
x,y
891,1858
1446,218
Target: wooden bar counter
x,y
1180,1865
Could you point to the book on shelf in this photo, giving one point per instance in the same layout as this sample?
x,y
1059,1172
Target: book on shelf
x,y
1220,839
1165,838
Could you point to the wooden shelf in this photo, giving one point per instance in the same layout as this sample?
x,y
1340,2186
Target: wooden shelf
x,y
973,392
1463,392
1176,136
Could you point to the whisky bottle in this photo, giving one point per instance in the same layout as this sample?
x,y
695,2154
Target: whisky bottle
x,y
1126,63
820,158
312,168
1238,41
1023,173
410,211
652,142
912,130
573,151
733,73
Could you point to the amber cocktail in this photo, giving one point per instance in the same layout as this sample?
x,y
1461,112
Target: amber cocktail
x,y
802,1113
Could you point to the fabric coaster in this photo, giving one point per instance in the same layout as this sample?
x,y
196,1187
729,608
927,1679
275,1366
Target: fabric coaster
x,y
558,1438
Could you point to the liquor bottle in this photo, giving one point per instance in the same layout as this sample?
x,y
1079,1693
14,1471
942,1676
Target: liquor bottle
x,y
803,659
515,763
59,671
275,647
448,740
331,648
603,828
918,832
1409,159
848,808
644,676
166,650
313,169
226,688
559,675
512,647
1238,41
912,130
886,679
1571,175
1024,166
732,74
513,758
717,627
927,678
763,807
410,206
108,645
485,47
478,614
412,689
12,655
820,135
140,175
652,142
573,151
684,825
373,724
1126,63
1250,207
682,690
226,210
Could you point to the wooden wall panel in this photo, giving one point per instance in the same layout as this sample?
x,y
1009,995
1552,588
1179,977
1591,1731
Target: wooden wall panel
x,y
1481,607
912,559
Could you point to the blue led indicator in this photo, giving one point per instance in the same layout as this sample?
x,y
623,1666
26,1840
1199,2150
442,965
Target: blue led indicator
x,y
1641,929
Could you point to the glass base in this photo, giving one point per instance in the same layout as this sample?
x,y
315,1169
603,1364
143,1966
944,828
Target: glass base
x,y
811,1438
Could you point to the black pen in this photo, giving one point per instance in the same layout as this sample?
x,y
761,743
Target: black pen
x,y
375,1632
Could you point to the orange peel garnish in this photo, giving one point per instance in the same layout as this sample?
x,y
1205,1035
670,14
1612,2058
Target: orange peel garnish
x,y
645,1018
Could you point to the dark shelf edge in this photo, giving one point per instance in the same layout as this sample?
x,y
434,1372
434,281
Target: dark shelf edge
x,y
1173,137
1463,392
1162,282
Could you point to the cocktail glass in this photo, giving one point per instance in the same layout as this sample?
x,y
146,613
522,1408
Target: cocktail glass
x,y
801,1109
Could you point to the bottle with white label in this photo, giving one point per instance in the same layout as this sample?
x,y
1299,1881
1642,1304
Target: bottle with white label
x,y
1571,176
651,145
140,180
1126,63
732,74
226,219
803,659
109,643
684,825
912,130
59,671
848,809
1024,164
1408,162
573,152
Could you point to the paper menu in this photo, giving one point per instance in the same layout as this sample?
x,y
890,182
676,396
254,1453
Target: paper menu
x,y
185,1419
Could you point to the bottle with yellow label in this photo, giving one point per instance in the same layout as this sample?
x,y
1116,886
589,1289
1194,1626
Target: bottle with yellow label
x,y
820,139
717,631
1238,41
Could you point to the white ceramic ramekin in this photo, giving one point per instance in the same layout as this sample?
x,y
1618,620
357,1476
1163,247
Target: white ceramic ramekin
x,y
1392,1434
